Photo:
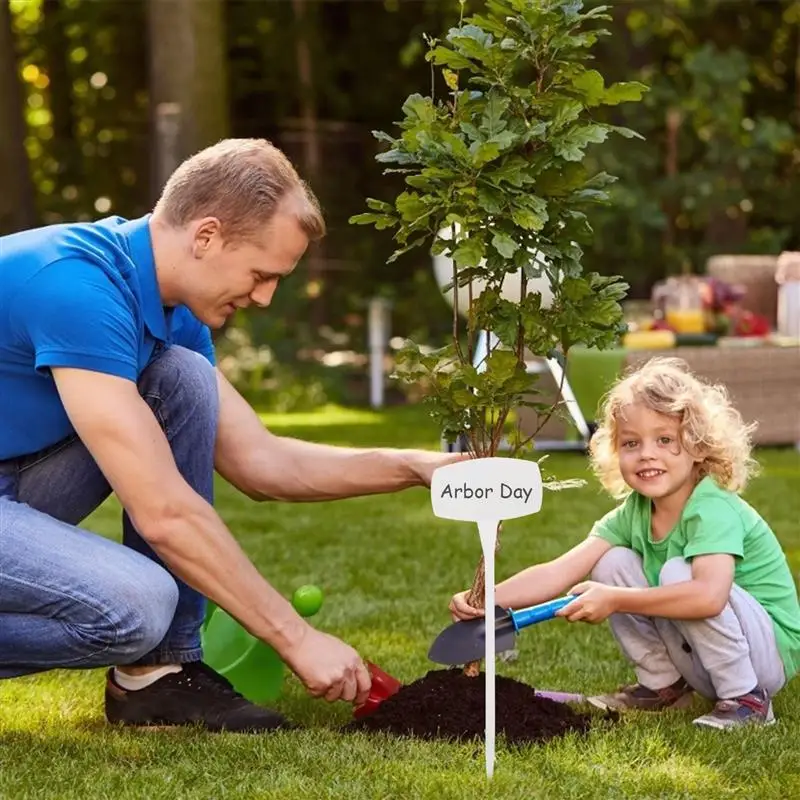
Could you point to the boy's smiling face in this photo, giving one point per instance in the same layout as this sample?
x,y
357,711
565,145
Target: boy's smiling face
x,y
652,458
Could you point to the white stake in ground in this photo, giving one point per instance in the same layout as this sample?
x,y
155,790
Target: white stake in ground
x,y
487,491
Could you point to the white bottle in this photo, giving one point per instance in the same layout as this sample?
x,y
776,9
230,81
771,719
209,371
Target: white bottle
x,y
787,276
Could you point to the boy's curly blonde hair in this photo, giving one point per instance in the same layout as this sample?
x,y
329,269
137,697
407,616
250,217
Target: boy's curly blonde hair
x,y
711,428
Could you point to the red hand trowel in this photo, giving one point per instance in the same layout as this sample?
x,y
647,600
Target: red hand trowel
x,y
383,687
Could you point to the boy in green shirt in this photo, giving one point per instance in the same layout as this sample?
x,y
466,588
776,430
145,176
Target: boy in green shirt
x,y
694,583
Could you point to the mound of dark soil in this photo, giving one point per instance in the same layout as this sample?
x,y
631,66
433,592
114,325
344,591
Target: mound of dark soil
x,y
445,704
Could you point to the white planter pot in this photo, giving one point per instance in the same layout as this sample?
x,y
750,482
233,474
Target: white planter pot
x,y
510,289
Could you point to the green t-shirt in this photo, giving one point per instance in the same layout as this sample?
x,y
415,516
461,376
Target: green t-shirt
x,y
717,521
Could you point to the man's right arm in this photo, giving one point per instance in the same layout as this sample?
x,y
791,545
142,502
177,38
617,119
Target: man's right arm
x,y
123,436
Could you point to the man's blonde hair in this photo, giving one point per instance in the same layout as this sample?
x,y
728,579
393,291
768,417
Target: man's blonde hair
x,y
711,428
242,182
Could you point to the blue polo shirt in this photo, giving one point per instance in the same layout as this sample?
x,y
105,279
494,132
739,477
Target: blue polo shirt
x,y
78,295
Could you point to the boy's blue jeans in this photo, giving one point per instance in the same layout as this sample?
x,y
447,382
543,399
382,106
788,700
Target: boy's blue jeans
x,y
73,599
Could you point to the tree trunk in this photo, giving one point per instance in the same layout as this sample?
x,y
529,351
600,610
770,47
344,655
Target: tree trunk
x,y
188,80
65,148
671,204
18,198
312,148
476,599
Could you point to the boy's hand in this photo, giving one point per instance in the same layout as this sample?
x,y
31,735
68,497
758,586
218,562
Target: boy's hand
x,y
461,609
595,603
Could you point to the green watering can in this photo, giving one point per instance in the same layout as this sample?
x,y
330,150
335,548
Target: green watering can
x,y
254,668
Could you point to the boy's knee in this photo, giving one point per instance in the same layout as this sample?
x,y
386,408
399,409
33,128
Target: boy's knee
x,y
676,570
615,566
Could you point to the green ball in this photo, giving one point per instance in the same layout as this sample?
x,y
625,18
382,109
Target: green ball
x,y
307,600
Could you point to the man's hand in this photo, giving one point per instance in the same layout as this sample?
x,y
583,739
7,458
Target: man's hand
x,y
596,602
425,463
329,668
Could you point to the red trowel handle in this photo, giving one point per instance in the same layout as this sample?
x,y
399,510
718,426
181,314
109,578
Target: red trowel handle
x,y
383,686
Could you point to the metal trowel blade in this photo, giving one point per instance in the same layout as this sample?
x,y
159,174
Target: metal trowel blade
x,y
463,642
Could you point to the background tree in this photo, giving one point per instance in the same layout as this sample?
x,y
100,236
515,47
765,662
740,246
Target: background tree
x,y
188,79
17,200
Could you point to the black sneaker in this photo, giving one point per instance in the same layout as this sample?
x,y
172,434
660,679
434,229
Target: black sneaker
x,y
197,695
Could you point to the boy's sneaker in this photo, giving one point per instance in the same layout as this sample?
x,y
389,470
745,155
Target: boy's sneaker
x,y
197,695
754,708
636,696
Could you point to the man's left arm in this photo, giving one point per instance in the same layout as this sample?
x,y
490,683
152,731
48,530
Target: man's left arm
x,y
269,467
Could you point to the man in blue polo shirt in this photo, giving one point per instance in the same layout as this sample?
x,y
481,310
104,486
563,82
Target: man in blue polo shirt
x,y
108,384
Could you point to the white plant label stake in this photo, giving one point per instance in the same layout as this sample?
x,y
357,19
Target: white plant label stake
x,y
487,491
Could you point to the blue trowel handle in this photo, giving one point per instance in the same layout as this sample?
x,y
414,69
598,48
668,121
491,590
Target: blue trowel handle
x,y
534,614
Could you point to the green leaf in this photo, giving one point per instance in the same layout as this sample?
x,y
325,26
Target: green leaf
x,y
566,111
598,12
591,195
463,397
492,120
592,133
396,157
410,206
561,179
501,365
592,86
473,132
504,244
381,221
491,201
380,205
511,171
484,153
470,48
626,132
470,32
419,108
569,151
570,148
442,55
456,146
469,252
504,139
526,218
384,137
625,92
420,182
600,181
570,9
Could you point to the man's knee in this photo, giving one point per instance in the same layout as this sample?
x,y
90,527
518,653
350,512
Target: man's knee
x,y
145,616
181,385
676,570
180,368
617,566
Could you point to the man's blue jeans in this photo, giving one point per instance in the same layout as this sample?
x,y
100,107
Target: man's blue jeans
x,y
72,599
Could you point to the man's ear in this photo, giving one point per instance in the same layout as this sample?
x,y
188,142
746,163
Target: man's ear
x,y
207,236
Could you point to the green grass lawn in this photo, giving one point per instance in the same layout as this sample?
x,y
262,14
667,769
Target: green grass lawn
x,y
388,568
